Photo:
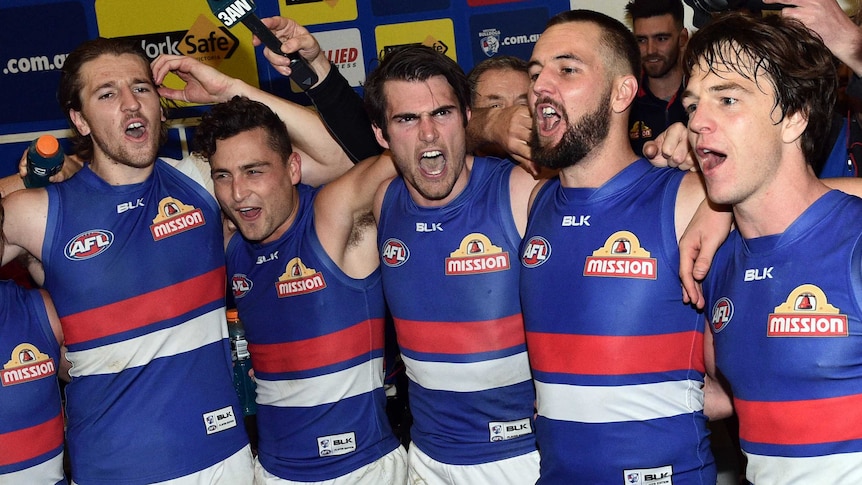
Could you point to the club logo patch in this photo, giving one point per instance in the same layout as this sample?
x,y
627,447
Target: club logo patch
x,y
298,279
621,257
806,313
175,217
27,364
476,255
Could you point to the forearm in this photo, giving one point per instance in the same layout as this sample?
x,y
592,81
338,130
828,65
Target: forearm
x,y
344,115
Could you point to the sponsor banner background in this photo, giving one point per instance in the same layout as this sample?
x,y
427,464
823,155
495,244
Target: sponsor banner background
x,y
35,36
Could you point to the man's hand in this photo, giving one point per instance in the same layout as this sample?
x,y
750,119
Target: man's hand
x,y
71,165
838,31
671,149
294,38
507,128
204,84
697,247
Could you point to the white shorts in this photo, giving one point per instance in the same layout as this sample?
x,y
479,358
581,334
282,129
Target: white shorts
x,y
237,469
390,469
518,470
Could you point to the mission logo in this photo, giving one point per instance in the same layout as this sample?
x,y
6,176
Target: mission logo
x,y
621,257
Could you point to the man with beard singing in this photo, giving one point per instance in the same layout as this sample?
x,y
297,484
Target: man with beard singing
x,y
617,357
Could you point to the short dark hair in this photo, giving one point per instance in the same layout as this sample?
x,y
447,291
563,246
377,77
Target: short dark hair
x,y
620,41
642,9
412,63
781,51
71,83
494,63
236,116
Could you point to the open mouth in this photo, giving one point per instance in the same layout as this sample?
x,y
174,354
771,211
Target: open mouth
x,y
136,130
249,213
547,118
710,159
432,162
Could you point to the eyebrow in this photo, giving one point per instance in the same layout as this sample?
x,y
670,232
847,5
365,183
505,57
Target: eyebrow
x,y
559,57
719,88
435,111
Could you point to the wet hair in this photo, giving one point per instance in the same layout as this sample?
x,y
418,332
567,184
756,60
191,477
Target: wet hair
x,y
642,9
71,83
782,52
618,42
496,63
240,114
412,63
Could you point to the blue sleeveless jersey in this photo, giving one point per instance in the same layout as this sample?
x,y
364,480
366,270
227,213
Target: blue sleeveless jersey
x,y
785,314
616,356
451,286
316,342
31,420
137,275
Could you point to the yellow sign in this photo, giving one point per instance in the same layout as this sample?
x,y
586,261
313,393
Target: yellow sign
x,y
439,34
183,28
311,12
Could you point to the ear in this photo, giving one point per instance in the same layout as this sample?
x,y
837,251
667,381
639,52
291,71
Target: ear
x,y
625,88
294,167
793,125
80,123
469,113
378,133
683,40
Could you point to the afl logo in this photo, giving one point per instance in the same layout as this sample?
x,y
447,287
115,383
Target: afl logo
x,y
394,253
722,312
536,252
88,244
240,285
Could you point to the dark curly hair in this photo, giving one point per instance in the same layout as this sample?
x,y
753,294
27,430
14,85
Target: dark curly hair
x,y
236,116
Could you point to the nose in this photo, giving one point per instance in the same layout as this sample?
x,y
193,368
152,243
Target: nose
x,y
427,128
700,120
651,46
239,190
128,100
541,83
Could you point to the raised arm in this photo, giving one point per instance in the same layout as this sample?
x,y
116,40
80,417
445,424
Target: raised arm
x,y
206,85
337,102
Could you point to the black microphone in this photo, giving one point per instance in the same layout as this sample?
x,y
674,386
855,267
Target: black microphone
x,y
232,11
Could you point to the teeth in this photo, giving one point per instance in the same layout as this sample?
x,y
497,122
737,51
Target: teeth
x,y
548,111
134,125
433,154
707,151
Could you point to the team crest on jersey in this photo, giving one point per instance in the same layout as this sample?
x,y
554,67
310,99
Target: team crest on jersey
x,y
536,252
722,313
476,255
806,313
394,253
298,279
175,217
621,257
240,285
88,244
27,364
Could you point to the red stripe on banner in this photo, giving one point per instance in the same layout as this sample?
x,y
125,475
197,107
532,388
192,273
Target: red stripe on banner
x,y
146,309
800,422
320,351
28,443
615,355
